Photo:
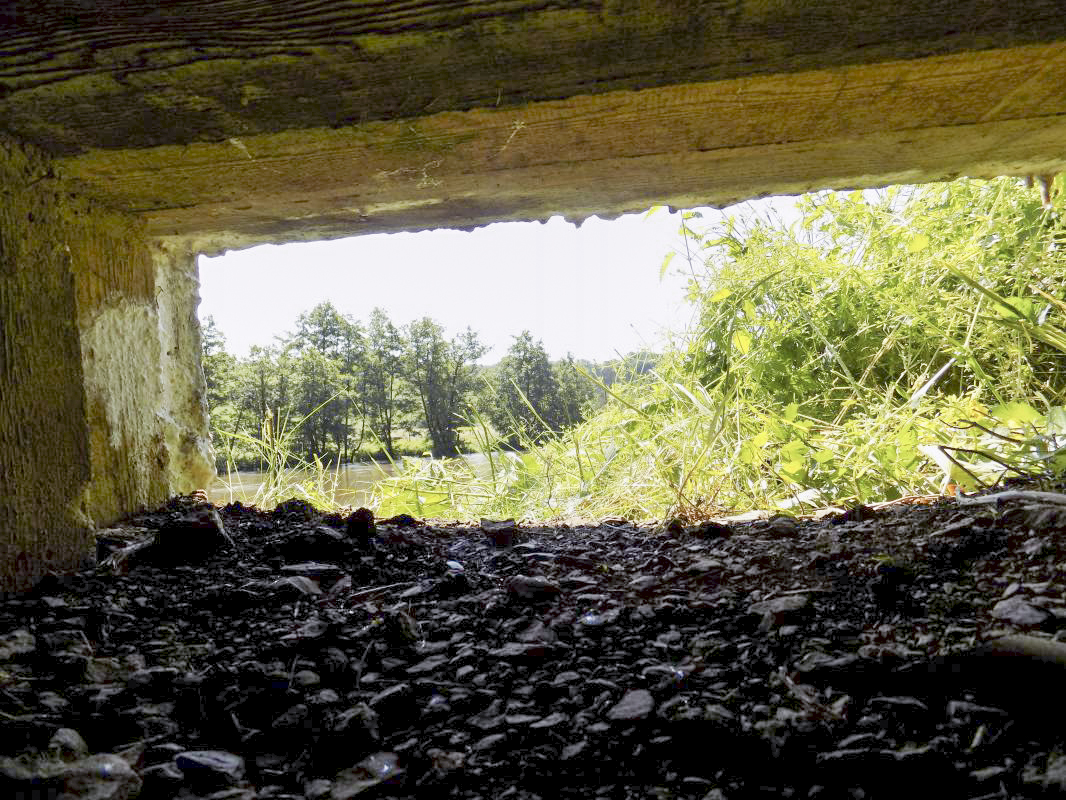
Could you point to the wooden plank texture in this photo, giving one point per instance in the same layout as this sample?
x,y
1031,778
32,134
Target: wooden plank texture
x,y
132,73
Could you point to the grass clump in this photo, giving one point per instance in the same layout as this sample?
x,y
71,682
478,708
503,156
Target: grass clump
x,y
285,474
885,344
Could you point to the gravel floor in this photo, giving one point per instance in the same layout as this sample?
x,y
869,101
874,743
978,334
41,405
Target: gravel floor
x,y
243,654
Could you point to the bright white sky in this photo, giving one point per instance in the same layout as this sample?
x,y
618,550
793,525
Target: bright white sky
x,y
593,291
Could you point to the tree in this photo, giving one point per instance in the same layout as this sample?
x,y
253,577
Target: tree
x,y
327,349
324,329
576,393
260,390
381,397
220,377
218,365
527,404
316,403
442,376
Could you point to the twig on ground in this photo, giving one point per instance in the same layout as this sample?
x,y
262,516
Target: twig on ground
x,y
1052,498
376,589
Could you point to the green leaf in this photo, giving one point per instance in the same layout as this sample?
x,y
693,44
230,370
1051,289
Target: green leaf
x,y
822,456
1014,307
749,309
742,341
666,263
1016,412
748,454
1056,421
917,243
721,295
793,451
791,411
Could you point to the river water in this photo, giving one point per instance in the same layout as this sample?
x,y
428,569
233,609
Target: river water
x,y
354,482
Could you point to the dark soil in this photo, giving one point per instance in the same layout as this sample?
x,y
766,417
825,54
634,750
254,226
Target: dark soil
x,y
298,655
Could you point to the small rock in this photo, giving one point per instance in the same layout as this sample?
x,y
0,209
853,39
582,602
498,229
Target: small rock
x,y
989,773
537,632
634,705
295,585
711,530
644,583
294,718
373,770
306,678
705,565
313,569
517,651
360,526
550,721
490,742
314,628
501,533
391,700
783,525
1034,546
207,768
536,588
66,744
427,665
776,611
19,642
1018,612
572,751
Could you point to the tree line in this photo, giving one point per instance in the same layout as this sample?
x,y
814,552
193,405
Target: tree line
x,y
346,389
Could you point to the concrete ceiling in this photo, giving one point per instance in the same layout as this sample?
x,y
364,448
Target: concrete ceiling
x,y
235,122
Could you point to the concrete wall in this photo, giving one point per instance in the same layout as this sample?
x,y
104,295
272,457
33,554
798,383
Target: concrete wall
x,y
183,400
101,399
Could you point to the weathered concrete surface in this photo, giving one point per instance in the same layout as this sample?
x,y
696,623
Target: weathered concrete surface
x,y
705,144
101,409
182,406
44,435
242,122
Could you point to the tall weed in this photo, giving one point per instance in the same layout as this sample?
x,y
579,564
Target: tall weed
x,y
285,474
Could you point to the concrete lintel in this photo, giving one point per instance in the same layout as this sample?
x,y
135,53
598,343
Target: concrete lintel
x,y
980,114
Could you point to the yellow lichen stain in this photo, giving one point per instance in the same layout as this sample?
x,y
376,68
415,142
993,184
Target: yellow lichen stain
x,y
251,93
382,43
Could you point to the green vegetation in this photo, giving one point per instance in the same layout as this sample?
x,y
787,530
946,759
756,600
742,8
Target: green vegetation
x,y
335,391
886,344
531,398
883,344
